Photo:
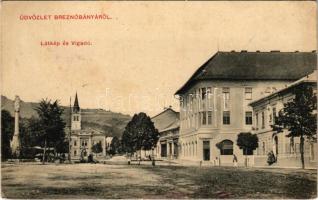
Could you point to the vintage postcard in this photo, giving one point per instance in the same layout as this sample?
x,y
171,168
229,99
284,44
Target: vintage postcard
x,y
158,99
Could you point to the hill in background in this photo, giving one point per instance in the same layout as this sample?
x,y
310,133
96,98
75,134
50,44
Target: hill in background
x,y
113,124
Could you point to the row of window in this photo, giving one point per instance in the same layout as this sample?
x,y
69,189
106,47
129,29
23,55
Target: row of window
x,y
205,118
75,118
207,92
272,116
206,102
84,142
189,149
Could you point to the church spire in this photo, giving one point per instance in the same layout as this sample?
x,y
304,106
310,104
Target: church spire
x,y
76,107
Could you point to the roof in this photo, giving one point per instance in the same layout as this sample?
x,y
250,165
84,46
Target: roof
x,y
76,107
174,125
245,65
165,119
310,78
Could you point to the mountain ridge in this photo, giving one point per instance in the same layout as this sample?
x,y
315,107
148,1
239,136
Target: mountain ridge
x,y
112,123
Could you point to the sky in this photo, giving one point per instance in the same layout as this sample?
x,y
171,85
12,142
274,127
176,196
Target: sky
x,y
140,57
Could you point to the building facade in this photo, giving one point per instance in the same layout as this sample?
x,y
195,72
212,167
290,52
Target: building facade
x,y
83,139
286,151
214,102
167,123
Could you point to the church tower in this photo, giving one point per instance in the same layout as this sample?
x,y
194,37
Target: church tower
x,y
76,115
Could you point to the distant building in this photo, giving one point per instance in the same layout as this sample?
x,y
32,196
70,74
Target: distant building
x,y
286,152
167,123
214,102
82,140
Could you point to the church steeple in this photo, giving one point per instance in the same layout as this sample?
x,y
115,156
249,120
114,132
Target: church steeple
x,y
76,107
76,115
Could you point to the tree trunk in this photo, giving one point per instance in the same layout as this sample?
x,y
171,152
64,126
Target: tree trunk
x,y
302,151
44,152
246,157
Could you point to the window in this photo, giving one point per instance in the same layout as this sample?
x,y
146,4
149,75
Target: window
x,y
248,93
206,150
274,114
203,90
226,117
226,98
226,93
75,153
209,117
74,142
226,147
248,118
204,118
210,99
263,120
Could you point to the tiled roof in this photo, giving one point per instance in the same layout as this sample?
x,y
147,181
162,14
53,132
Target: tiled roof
x,y
165,119
245,65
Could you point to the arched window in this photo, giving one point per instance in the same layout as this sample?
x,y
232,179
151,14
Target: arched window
x,y
226,147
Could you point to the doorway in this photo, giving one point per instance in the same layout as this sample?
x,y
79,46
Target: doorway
x,y
206,150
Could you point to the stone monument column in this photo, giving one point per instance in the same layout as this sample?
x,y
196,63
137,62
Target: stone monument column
x,y
15,143
104,146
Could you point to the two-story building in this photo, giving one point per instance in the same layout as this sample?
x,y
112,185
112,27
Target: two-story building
x,y
214,102
167,123
286,150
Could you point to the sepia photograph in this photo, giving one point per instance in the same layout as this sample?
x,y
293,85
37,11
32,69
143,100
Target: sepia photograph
x,y
158,99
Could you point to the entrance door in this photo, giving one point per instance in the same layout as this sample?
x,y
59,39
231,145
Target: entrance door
x,y
276,145
163,150
206,150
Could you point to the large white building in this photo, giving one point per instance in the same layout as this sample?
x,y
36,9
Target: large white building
x,y
214,102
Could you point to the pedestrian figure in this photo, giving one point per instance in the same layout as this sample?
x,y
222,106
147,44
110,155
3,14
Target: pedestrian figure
x,y
216,161
234,160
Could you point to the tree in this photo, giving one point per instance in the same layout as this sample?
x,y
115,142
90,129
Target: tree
x,y
140,133
247,142
115,146
97,148
298,117
7,129
50,127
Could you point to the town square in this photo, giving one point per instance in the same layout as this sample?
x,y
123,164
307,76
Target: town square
x,y
99,181
178,100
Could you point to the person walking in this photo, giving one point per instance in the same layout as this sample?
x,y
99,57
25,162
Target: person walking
x,y
234,160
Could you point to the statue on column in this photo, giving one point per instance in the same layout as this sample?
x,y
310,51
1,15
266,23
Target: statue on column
x,y
15,143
